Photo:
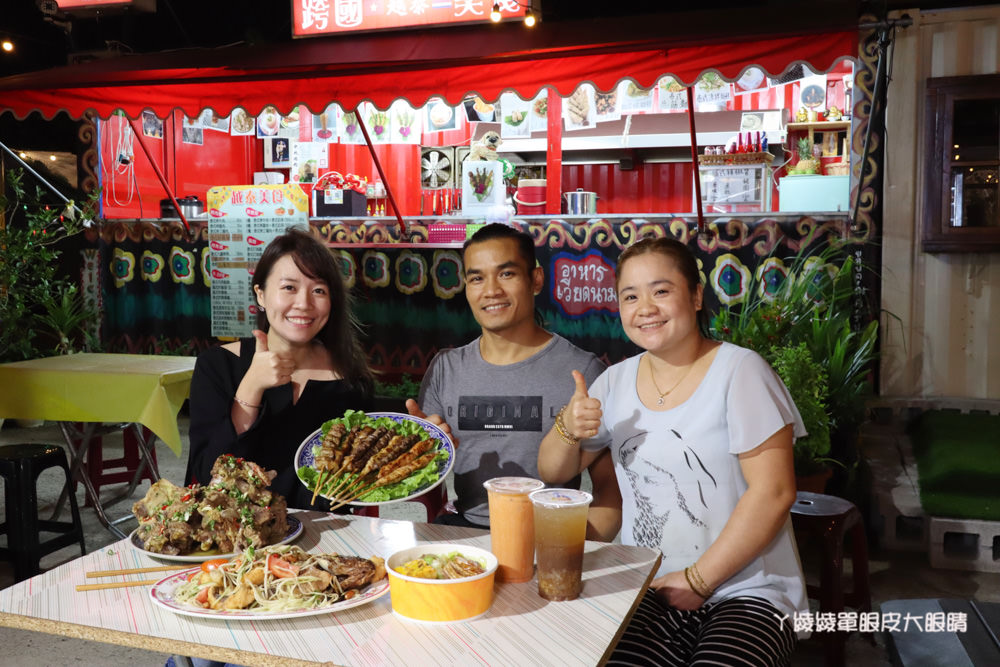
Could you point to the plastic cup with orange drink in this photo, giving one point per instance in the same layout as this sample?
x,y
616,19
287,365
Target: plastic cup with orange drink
x,y
512,531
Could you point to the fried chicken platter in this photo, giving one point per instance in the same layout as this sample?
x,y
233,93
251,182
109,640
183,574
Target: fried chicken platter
x,y
234,511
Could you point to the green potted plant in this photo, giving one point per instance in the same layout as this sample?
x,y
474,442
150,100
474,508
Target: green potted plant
x,y
812,312
32,293
391,396
807,383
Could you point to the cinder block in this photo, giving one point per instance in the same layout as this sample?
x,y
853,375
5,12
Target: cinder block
x,y
899,528
965,544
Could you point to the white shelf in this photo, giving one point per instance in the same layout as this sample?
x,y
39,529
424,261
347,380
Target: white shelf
x,y
609,142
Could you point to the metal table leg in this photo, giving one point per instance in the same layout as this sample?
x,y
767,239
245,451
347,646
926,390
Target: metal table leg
x,y
78,455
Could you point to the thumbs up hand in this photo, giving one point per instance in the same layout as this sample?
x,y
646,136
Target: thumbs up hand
x,y
269,369
582,416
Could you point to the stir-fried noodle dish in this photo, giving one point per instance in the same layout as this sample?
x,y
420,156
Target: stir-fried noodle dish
x,y
442,566
279,578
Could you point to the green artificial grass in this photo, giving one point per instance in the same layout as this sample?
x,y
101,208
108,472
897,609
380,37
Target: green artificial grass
x,y
958,463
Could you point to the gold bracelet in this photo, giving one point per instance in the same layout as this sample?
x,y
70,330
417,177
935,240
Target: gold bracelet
x,y
687,577
563,432
700,587
245,404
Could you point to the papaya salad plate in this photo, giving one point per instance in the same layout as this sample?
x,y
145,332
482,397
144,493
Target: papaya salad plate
x,y
272,583
374,459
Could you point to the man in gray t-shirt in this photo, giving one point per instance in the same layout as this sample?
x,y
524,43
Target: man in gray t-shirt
x,y
500,394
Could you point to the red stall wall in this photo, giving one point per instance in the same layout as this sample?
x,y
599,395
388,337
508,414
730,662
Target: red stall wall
x,y
400,162
133,191
649,188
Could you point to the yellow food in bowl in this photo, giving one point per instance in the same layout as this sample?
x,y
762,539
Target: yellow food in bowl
x,y
441,566
418,568
421,599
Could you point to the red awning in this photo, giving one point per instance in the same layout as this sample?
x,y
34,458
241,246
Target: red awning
x,y
381,69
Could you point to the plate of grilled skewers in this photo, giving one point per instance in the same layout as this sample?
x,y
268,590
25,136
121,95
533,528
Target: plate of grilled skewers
x,y
374,458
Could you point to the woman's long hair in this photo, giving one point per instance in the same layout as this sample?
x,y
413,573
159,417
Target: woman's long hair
x,y
340,335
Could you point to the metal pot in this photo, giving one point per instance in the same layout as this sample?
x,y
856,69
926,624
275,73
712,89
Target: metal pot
x,y
580,202
191,206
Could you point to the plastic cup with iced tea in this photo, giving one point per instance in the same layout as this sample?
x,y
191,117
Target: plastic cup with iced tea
x,y
560,531
512,532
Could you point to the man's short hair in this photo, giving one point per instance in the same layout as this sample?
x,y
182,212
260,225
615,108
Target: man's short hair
x,y
497,230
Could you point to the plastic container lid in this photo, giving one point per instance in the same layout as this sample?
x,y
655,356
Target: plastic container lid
x,y
559,498
531,183
513,485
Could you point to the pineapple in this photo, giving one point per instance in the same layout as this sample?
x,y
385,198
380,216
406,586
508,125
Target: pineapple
x,y
807,164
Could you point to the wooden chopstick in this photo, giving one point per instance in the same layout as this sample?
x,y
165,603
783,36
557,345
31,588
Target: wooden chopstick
x,y
139,570
115,584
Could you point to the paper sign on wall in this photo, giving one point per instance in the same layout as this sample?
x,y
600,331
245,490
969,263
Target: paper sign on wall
x,y
309,160
483,187
242,221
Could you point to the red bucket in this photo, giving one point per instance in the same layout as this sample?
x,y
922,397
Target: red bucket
x,y
530,196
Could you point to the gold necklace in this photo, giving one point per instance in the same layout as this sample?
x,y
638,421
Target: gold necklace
x,y
652,376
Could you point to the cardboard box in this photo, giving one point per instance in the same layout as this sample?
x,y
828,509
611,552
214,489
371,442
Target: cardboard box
x,y
336,203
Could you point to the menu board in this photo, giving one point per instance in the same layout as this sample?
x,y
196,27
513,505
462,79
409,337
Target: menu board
x,y
733,184
243,219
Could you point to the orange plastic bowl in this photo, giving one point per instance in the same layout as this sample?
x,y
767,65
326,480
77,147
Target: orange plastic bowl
x,y
440,600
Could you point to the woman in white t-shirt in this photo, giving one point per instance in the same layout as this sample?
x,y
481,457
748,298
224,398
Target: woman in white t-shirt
x,y
701,434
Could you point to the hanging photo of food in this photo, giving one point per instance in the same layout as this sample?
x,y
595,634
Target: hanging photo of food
x,y
349,128
268,122
633,98
241,123
578,109
606,105
673,95
516,115
405,123
440,116
324,125
539,118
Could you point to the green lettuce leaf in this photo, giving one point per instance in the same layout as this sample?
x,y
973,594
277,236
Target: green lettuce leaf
x,y
418,479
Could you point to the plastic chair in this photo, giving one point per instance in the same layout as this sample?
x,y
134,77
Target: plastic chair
x,y
128,463
825,521
20,466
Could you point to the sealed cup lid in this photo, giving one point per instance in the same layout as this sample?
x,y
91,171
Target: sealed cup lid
x,y
513,485
557,498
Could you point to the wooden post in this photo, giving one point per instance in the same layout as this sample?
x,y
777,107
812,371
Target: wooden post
x,y
694,159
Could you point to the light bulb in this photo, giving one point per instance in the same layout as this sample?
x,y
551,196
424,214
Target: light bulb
x,y
495,14
52,157
529,19
7,45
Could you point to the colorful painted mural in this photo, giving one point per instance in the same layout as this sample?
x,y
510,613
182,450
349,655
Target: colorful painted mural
x,y
155,279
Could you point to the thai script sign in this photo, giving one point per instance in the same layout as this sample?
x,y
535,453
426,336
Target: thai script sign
x,y
583,283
